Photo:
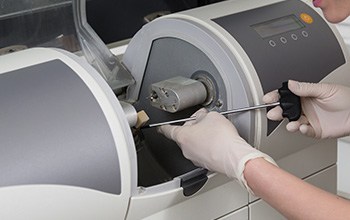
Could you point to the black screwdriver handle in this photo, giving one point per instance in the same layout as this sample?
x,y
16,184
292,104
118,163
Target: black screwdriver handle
x,y
290,103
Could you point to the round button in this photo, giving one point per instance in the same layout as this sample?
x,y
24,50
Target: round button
x,y
272,43
294,37
305,34
283,40
306,18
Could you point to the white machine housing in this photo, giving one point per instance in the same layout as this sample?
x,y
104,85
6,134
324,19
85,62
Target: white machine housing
x,y
245,78
67,151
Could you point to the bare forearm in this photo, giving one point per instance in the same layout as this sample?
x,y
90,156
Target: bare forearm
x,y
292,197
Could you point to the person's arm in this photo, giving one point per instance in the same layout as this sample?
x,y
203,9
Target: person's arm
x,y
292,197
211,141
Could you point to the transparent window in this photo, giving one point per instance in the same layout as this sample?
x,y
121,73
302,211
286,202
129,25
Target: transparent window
x,y
28,23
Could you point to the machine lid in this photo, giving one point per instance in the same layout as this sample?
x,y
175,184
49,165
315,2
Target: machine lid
x,y
60,24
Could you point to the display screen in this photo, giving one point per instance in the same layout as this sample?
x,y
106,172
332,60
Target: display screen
x,y
278,26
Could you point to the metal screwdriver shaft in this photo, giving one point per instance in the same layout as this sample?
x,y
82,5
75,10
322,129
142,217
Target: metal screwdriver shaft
x,y
289,102
222,113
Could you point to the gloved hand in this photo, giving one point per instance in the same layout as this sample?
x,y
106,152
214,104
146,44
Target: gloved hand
x,y
325,109
211,141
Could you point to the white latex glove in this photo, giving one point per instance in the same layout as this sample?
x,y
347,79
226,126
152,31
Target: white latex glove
x,y
211,141
325,109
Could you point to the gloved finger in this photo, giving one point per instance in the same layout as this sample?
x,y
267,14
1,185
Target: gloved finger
x,y
275,114
304,89
169,131
199,111
271,97
294,126
199,115
307,130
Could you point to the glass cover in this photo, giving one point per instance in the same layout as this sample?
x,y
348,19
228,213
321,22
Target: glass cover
x,y
27,23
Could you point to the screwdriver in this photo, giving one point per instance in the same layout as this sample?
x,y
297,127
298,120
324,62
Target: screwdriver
x,y
289,102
